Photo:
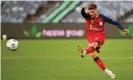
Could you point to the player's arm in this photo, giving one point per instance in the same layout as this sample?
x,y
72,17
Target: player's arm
x,y
83,13
117,23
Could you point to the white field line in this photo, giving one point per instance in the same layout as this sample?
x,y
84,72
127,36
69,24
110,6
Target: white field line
x,y
48,57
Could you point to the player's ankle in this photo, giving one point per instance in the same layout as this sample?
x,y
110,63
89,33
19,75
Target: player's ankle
x,y
106,70
84,52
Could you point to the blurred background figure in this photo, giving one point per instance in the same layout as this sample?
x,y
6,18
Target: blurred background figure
x,y
116,18
61,11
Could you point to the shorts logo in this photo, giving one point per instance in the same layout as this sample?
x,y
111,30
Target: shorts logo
x,y
96,39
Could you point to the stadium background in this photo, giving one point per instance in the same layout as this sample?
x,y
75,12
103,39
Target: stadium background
x,y
49,32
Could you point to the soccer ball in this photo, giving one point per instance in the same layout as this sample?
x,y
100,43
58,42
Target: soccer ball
x,y
12,44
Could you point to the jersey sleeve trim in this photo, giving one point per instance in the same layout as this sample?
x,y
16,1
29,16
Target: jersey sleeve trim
x,y
111,21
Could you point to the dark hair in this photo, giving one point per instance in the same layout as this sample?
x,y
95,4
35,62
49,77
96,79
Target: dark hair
x,y
92,6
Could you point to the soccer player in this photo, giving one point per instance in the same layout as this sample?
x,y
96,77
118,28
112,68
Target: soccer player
x,y
95,23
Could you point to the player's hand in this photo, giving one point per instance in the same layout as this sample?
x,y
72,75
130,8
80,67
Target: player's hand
x,y
126,31
85,5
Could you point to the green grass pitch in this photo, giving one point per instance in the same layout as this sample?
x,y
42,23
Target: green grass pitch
x,y
60,60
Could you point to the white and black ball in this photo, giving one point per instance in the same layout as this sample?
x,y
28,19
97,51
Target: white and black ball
x,y
12,44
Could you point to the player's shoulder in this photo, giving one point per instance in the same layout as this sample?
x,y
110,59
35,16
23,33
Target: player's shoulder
x,y
102,15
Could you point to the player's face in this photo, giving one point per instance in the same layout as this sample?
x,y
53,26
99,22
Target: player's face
x,y
92,12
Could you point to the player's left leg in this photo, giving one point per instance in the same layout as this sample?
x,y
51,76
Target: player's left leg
x,y
97,60
100,63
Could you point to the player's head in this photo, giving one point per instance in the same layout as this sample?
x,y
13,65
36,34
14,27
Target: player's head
x,y
92,9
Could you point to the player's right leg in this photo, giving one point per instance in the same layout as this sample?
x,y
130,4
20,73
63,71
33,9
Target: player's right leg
x,y
90,49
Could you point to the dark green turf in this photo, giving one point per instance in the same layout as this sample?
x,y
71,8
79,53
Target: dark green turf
x,y
60,60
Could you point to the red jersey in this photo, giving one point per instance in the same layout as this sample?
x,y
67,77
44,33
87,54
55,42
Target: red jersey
x,y
95,26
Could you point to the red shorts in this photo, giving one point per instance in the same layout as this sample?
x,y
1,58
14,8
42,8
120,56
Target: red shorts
x,y
96,38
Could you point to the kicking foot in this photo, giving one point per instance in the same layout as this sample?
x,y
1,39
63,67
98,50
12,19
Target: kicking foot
x,y
110,74
81,51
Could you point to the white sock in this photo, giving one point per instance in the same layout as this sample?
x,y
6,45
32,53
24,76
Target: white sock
x,y
106,70
84,52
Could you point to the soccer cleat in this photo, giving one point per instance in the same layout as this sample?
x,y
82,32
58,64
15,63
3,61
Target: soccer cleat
x,y
110,74
81,51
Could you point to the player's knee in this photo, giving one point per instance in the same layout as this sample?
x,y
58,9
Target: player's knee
x,y
94,44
